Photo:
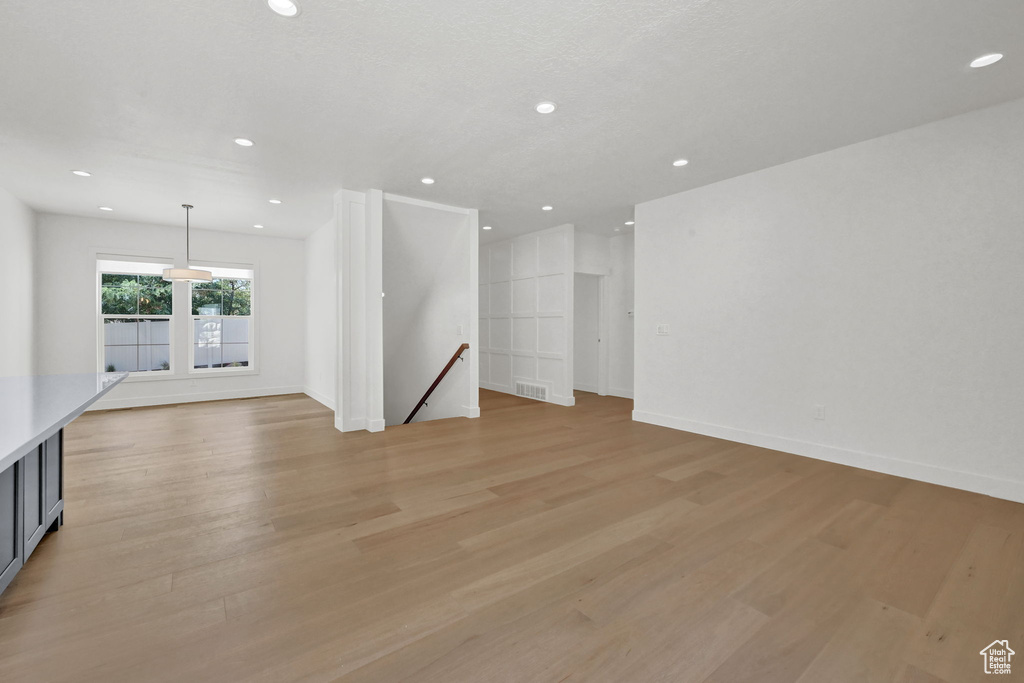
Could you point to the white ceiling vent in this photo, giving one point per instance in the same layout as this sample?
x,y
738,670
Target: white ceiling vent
x,y
537,391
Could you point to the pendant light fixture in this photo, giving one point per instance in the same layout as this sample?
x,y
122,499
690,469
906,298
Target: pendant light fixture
x,y
187,274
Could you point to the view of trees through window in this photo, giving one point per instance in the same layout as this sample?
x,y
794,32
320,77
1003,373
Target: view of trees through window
x,y
222,297
135,295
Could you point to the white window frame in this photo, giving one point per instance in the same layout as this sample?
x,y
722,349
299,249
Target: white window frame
x,y
101,360
223,271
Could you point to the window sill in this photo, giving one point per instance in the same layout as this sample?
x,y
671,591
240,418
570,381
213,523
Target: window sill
x,y
222,372
195,374
156,376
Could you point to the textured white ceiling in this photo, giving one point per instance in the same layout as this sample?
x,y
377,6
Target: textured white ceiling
x,y
378,93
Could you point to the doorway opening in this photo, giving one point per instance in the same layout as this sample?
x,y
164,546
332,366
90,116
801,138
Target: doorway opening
x,y
589,367
602,327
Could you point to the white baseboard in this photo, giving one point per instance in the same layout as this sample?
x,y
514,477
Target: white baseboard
x,y
168,399
967,481
350,425
319,398
358,424
557,400
470,411
621,393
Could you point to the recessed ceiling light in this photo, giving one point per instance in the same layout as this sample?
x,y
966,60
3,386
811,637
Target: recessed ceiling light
x,y
985,60
487,227
286,8
274,201
244,142
84,174
258,226
680,162
427,181
546,208
105,208
545,107
630,222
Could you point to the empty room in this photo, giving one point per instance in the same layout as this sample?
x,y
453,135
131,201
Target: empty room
x,y
663,340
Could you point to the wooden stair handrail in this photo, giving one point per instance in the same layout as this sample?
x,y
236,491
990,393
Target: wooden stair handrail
x,y
436,382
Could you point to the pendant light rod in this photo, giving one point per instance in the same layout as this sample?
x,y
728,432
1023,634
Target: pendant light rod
x,y
188,273
188,252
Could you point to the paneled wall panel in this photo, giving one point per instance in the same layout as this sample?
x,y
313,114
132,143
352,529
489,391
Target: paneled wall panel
x,y
527,286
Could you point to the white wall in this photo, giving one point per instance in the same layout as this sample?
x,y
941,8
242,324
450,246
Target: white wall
x,y
321,334
591,254
429,310
586,332
67,317
526,318
618,307
882,281
17,310
358,219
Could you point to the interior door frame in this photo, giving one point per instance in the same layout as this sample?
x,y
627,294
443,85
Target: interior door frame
x,y
602,336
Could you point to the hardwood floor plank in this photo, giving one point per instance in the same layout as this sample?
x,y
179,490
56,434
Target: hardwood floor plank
x,y
249,540
869,646
965,611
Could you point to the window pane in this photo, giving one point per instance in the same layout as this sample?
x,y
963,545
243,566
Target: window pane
x,y
235,331
121,295
206,356
155,357
235,355
121,358
120,332
136,345
235,342
206,343
154,295
206,331
154,331
237,297
220,342
222,297
120,345
206,302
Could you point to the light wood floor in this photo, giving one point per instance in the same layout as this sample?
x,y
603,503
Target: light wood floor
x,y
249,541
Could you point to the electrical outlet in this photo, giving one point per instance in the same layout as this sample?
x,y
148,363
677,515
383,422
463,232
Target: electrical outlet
x,y
193,383
459,330
819,412
663,329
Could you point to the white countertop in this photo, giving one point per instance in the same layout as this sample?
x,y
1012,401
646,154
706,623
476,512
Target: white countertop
x,y
34,408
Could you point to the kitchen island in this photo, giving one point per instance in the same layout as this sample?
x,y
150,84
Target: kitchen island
x,y
33,413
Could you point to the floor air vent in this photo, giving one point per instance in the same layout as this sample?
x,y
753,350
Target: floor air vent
x,y
537,391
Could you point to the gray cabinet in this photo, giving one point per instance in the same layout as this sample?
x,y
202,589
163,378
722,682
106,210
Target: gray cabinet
x,y
11,539
34,511
31,503
54,478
